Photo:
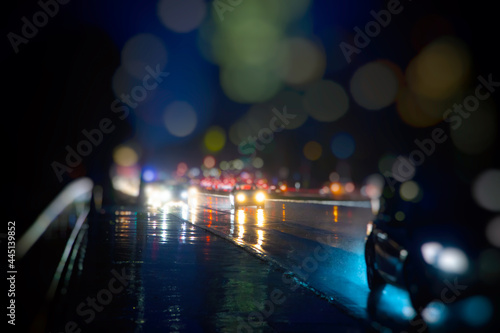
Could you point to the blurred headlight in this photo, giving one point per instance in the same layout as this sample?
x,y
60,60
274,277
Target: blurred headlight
x,y
447,259
453,260
430,252
369,228
240,197
184,195
260,197
165,195
193,191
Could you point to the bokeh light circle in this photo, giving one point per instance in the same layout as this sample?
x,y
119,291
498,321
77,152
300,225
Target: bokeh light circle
x,y
486,190
141,51
181,16
374,86
440,69
410,109
312,150
245,83
493,231
385,163
215,138
409,190
125,155
343,145
326,101
477,133
301,61
180,118
477,310
402,169
258,162
209,162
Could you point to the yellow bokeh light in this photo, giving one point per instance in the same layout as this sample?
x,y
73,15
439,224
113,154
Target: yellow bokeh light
x,y
312,150
410,111
440,69
409,190
300,61
215,138
336,188
124,155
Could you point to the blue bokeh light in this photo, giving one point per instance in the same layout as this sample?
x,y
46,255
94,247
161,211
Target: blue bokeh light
x,y
343,145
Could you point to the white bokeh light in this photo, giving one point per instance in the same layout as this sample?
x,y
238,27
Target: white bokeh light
x,y
374,86
180,118
181,16
493,231
486,190
141,51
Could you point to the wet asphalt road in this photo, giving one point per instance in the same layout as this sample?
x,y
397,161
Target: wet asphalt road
x,y
152,271
321,244
290,267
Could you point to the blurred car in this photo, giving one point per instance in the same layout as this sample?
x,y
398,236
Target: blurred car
x,y
179,194
280,188
428,238
157,194
336,188
247,195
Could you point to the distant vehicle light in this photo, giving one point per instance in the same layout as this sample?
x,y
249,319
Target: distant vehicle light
x,y
403,254
260,197
184,195
165,195
447,259
283,187
336,188
193,191
369,228
453,260
430,252
240,197
349,187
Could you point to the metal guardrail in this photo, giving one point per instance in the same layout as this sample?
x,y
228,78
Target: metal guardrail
x,y
48,251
